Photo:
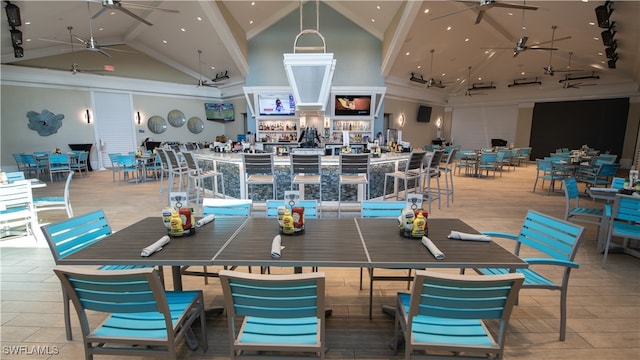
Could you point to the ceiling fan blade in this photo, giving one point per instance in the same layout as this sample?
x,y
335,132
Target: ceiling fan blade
x,y
541,48
134,15
553,40
118,50
100,51
147,7
479,17
514,6
100,12
58,41
452,13
112,44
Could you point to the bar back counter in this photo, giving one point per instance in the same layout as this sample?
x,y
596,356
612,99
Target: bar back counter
x,y
231,165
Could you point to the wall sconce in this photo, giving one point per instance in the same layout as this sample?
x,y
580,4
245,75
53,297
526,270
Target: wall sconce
x,y
439,123
87,115
138,117
303,121
327,122
401,120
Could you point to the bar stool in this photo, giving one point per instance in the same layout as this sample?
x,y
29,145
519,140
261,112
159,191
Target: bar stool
x,y
354,170
412,171
305,169
176,168
198,175
258,169
446,168
430,170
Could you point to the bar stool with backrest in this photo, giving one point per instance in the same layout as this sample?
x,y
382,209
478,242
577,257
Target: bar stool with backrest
x,y
176,168
430,171
305,169
412,171
198,175
446,168
354,170
258,169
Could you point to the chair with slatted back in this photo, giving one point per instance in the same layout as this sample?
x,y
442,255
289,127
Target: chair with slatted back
x,y
617,182
142,319
448,316
47,203
412,172
58,164
625,217
574,212
281,314
81,162
430,170
382,209
258,170
17,215
354,170
199,175
15,176
555,243
306,169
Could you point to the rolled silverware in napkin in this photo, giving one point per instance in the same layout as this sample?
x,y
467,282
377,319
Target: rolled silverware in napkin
x,y
205,220
433,249
457,235
156,246
276,247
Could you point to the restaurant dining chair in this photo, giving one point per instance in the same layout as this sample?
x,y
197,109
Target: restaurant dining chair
x,y
176,168
58,164
446,169
80,162
47,203
431,164
353,170
129,167
16,209
198,176
14,176
258,170
617,183
523,156
68,236
17,157
450,316
553,244
624,222
306,169
33,165
412,172
382,209
164,173
115,167
217,208
138,317
548,171
280,314
465,159
488,162
574,212
600,176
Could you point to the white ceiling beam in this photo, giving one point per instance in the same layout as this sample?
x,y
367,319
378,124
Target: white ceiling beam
x,y
405,18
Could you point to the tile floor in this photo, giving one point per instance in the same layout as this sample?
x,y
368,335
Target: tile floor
x,y
603,304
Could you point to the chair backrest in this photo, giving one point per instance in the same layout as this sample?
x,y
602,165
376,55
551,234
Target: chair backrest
x,y
310,208
388,209
29,159
258,163
68,236
488,157
114,159
226,207
192,164
544,165
127,161
59,160
19,161
15,176
172,156
16,200
414,163
556,238
273,296
604,159
83,156
305,164
617,183
626,208
453,296
354,163
608,170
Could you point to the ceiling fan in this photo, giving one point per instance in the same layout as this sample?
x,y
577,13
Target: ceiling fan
x,y
200,81
433,82
118,5
548,70
90,44
75,68
568,78
483,5
568,68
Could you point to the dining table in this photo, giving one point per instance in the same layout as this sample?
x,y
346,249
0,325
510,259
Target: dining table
x,y
325,242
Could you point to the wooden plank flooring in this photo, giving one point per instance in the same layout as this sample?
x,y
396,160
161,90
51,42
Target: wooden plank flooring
x,y
603,305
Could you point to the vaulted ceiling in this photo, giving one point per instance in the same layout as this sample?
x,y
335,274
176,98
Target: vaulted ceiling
x,y
437,40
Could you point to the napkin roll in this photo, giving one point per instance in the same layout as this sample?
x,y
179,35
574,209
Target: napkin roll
x,y
276,247
205,220
457,235
433,249
156,246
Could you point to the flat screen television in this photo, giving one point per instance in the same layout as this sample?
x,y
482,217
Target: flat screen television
x,y
219,112
276,105
424,113
352,105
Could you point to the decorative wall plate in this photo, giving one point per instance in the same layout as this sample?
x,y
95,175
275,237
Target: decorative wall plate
x,y
157,124
195,125
176,118
45,123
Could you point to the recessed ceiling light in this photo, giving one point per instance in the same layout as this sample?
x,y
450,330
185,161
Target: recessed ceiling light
x,y
408,53
448,28
27,22
426,11
510,13
250,22
467,39
600,54
183,29
419,66
28,39
486,51
479,78
378,7
373,20
100,29
522,73
164,41
443,74
253,3
592,23
199,18
585,0
213,68
112,13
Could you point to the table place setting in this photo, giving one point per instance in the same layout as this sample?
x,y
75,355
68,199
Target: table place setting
x,y
433,249
457,235
276,247
155,247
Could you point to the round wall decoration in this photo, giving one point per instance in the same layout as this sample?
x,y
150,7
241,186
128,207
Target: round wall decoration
x,y
195,125
176,118
157,124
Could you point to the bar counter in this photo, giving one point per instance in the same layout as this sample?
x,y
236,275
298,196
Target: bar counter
x,y
230,164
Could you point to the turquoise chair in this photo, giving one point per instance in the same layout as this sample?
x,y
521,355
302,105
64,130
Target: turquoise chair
x,y
451,313
15,176
574,212
311,210
625,217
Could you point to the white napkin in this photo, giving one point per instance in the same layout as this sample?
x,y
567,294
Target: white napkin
x,y
156,246
604,189
439,255
276,247
205,220
457,235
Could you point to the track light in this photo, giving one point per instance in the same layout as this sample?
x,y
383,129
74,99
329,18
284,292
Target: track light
x,y
603,12
221,76
13,14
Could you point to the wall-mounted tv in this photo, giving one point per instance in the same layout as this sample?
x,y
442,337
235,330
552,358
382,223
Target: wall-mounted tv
x,y
276,105
352,105
424,113
219,112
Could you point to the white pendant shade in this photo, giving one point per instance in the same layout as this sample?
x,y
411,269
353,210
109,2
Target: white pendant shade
x,y
310,76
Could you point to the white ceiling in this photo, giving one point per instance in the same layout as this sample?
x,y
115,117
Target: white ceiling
x,y
411,32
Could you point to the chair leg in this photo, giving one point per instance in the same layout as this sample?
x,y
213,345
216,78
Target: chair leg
x,y
67,315
370,293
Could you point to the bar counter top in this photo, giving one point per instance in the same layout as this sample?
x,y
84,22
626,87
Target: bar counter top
x,y
284,159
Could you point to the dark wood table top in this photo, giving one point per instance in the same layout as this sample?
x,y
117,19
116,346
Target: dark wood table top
x,y
387,248
124,246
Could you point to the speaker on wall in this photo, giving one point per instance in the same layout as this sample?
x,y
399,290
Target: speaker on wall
x,y
13,14
16,37
424,113
603,12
